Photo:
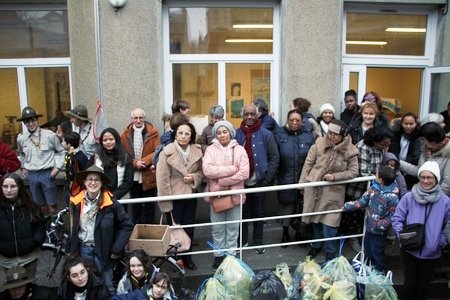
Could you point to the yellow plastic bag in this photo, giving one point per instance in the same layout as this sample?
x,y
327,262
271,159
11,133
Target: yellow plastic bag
x,y
212,290
237,278
341,290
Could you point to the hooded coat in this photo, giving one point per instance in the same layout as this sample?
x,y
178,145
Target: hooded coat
x,y
341,160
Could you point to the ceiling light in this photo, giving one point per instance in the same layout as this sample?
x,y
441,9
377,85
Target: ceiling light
x,y
248,41
253,26
377,43
405,29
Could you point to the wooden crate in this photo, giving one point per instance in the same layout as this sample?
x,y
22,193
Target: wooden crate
x,y
154,239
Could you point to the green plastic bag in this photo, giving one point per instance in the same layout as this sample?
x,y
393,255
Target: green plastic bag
x,y
341,290
340,269
212,290
314,286
237,278
379,287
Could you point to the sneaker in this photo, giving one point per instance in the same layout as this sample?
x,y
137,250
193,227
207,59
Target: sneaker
x,y
260,250
217,262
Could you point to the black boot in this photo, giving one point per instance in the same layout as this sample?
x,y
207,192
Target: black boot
x,y
285,237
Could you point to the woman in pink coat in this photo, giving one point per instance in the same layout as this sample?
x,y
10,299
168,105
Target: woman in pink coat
x,y
226,167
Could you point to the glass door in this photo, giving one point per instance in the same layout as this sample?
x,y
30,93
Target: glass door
x,y
436,90
353,78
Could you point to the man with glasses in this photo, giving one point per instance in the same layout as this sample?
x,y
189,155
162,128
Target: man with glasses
x,y
263,155
42,157
436,148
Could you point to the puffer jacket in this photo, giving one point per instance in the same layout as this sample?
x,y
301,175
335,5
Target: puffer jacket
x,y
225,172
293,147
399,179
18,235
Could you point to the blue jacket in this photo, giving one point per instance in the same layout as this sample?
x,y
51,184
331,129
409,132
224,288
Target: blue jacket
x,y
268,122
410,211
293,147
381,204
265,154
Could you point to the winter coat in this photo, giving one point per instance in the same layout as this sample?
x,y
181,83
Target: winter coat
x,y
268,122
410,211
224,172
125,286
18,235
8,159
293,147
348,116
151,141
112,231
171,171
341,160
380,205
442,157
121,177
143,294
355,129
265,154
96,290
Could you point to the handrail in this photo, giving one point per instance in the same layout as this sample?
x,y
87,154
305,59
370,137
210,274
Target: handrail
x,y
248,191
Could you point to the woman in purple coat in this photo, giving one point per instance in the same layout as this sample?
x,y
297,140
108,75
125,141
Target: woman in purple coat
x,y
425,204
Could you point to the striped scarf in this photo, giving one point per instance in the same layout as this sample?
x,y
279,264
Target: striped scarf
x,y
138,145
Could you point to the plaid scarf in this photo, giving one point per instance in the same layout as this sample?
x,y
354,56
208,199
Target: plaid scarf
x,y
248,131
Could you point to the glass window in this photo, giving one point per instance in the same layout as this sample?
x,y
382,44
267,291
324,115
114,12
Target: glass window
x,y
220,30
31,34
10,104
440,89
385,34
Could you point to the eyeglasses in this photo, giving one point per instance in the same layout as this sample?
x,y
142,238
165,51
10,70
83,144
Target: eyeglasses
x,y
93,179
11,186
185,133
426,178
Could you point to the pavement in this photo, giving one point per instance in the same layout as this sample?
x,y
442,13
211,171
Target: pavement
x,y
294,254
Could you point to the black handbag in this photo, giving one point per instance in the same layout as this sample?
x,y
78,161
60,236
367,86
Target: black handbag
x,y
412,237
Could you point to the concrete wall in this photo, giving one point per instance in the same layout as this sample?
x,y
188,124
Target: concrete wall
x,y
311,37
131,58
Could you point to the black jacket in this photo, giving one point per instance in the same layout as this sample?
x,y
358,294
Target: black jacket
x,y
113,227
355,130
293,147
96,290
19,235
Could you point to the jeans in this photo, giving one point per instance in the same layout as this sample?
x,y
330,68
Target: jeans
x,y
42,187
89,254
321,230
225,235
374,246
143,213
253,208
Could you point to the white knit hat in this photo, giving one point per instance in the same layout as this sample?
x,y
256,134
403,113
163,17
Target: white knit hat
x,y
431,166
225,124
326,106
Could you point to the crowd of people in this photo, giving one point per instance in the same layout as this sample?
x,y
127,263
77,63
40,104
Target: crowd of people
x,y
409,158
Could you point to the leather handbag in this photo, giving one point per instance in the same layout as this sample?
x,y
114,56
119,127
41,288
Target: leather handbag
x,y
221,203
178,235
412,237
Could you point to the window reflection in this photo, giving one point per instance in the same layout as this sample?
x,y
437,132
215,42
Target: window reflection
x,y
368,33
220,30
30,34
9,102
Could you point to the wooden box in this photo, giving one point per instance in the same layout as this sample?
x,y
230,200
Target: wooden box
x,y
154,239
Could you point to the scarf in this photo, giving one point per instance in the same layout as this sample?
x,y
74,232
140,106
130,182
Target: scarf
x,y
138,145
423,196
248,131
183,153
404,146
324,126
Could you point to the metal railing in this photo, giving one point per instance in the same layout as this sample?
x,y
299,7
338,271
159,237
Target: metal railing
x,y
240,221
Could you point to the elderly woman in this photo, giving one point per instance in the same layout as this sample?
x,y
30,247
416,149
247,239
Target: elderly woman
x,y
331,158
100,227
425,204
22,226
226,167
179,171
293,144
216,113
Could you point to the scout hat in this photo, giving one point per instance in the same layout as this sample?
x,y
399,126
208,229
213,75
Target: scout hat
x,y
28,113
16,277
81,176
80,112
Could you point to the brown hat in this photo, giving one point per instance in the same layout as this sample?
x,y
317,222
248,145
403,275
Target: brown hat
x,y
81,176
16,277
80,112
28,113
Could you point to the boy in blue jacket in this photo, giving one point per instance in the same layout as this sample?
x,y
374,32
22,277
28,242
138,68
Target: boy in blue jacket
x,y
381,199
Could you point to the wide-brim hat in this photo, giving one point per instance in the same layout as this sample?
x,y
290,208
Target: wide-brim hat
x,y
81,176
28,113
80,112
17,277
